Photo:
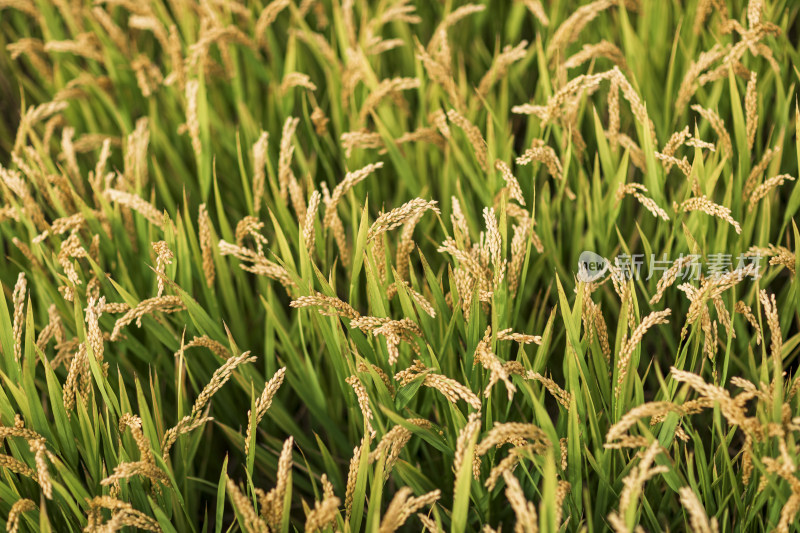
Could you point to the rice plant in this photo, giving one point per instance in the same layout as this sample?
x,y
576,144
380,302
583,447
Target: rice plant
x,y
395,265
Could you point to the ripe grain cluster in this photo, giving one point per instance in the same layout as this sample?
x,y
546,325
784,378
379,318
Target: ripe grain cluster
x,y
313,265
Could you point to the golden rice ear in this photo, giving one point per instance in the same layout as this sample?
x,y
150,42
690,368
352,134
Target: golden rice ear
x,y
517,433
395,332
273,501
497,371
499,68
519,243
670,275
514,190
474,136
285,156
122,515
361,139
770,309
206,245
352,474
20,506
350,180
696,68
602,49
163,304
363,404
323,514
296,79
703,204
259,170
18,298
244,506
782,256
206,342
751,108
310,219
385,88
196,418
450,388
192,120
525,511
263,403
320,121
506,464
757,170
493,240
635,190
536,8
362,367
465,435
569,30
94,335
562,397
338,306
138,204
762,190
718,125
667,161
634,481
164,257
637,106
403,505
543,154
267,17
399,216
405,247
424,304
653,319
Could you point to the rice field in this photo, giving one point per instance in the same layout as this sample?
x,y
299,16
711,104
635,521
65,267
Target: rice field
x,y
396,265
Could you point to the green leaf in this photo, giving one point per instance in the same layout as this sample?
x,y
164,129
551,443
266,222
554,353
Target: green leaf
x,y
221,487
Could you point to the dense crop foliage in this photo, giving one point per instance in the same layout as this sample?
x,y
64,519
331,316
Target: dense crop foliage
x,y
372,266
